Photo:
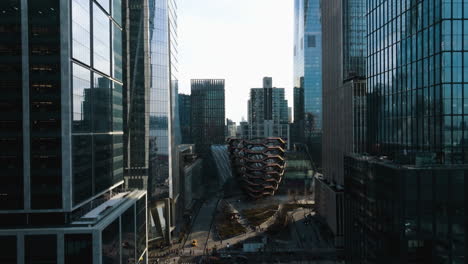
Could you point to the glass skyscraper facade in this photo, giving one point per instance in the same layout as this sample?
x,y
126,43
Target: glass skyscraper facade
x,y
308,57
63,200
163,86
308,75
185,118
407,203
343,24
417,77
208,113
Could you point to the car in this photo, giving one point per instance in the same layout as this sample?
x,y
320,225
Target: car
x,y
194,243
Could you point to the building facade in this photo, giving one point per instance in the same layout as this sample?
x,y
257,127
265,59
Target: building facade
x,y
231,128
344,49
308,73
62,135
268,112
406,202
185,118
208,113
163,118
152,93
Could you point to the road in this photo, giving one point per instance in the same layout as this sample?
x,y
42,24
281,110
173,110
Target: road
x,y
201,228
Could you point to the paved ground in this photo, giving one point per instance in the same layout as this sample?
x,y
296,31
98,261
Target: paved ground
x,y
201,229
308,234
303,244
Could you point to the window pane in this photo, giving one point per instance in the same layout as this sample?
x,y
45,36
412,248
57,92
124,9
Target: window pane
x,y
81,99
40,249
81,31
101,40
8,249
111,244
78,248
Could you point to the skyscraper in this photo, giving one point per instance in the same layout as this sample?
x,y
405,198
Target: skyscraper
x,y
344,47
268,112
151,116
61,136
231,128
308,70
185,118
406,203
208,113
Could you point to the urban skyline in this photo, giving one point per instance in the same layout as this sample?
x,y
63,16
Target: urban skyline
x,y
359,158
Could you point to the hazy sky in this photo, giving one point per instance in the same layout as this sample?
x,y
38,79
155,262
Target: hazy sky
x,y
238,40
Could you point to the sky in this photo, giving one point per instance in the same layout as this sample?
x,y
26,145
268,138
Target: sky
x,y
240,41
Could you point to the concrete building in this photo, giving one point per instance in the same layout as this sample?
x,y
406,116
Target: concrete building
x,y
344,48
62,136
268,112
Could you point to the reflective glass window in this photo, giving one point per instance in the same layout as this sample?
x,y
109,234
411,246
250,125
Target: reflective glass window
x,y
102,104
141,225
78,248
117,53
117,11
117,108
81,32
82,168
128,235
117,158
8,249
101,40
111,243
40,249
104,4
45,103
81,99
11,108
103,162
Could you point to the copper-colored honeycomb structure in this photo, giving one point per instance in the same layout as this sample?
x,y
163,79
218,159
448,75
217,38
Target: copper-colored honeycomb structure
x,y
258,164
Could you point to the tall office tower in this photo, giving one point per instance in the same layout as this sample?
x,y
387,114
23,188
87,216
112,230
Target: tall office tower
x,y
308,71
208,113
344,48
268,112
185,118
61,136
163,118
407,202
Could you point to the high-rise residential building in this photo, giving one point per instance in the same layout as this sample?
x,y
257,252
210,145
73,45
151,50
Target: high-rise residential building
x,y
268,112
344,49
407,202
61,136
208,113
308,71
185,118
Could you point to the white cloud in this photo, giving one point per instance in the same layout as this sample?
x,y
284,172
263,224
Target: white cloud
x,y
238,40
